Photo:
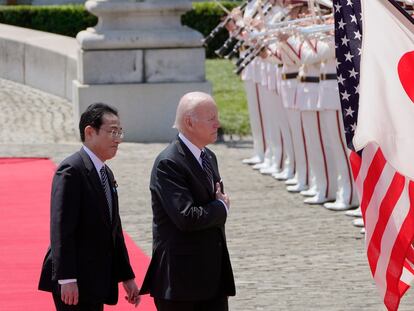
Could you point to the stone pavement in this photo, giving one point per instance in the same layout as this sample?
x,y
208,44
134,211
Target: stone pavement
x,y
285,255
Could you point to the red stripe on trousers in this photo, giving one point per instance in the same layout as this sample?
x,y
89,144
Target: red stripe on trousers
x,y
304,146
283,150
325,164
261,118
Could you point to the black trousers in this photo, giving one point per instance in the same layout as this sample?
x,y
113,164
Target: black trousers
x,y
217,304
61,306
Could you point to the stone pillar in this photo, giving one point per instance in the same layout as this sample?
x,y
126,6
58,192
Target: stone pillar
x,y
140,59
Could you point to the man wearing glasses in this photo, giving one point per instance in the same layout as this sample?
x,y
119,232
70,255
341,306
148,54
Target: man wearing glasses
x,y
87,256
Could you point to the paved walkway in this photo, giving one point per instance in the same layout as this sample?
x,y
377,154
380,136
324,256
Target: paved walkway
x,y
285,255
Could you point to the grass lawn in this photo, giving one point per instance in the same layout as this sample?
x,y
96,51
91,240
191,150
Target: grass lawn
x,y
228,91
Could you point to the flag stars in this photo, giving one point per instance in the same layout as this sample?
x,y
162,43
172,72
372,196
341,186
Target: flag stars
x,y
348,38
341,79
345,40
341,24
353,127
353,19
345,95
349,112
337,7
348,57
352,73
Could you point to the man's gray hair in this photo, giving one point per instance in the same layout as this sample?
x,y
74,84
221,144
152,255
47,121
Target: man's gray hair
x,y
187,107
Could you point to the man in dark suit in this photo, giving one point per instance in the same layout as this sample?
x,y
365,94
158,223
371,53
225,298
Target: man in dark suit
x,y
87,256
190,267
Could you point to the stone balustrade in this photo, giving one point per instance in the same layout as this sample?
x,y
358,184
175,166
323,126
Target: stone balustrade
x,y
39,59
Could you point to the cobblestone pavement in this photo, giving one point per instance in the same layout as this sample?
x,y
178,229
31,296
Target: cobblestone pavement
x,y
285,255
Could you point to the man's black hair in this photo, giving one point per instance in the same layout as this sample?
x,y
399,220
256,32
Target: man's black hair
x,y
93,117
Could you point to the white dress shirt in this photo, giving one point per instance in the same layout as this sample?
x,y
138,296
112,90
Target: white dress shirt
x,y
95,160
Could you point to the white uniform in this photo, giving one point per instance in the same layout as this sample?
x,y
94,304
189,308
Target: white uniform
x,y
272,143
290,54
265,77
253,102
255,115
329,103
287,156
321,162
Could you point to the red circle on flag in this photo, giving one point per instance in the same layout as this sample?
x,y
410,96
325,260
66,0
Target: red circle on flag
x,y
406,73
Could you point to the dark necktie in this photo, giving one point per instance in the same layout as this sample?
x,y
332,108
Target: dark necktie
x,y
105,185
207,166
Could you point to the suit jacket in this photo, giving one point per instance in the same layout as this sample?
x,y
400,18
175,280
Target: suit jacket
x,y
190,260
85,245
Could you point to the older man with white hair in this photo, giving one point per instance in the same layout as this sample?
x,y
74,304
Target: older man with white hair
x,y
190,267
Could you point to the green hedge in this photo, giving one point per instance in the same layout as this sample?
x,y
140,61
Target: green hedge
x,y
65,20
68,20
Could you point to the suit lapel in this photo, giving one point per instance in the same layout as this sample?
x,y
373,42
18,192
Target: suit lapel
x,y
195,165
97,186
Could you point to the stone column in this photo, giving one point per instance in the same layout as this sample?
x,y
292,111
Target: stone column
x,y
140,59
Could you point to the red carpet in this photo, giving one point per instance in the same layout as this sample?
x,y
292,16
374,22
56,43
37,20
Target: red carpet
x,y
24,236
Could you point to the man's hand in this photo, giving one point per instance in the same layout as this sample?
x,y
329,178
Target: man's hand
x,y
222,196
132,291
69,293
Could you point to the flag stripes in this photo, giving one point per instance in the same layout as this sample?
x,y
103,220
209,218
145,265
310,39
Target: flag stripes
x,y
389,222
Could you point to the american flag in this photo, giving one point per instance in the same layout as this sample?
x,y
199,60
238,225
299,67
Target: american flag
x,y
348,38
386,196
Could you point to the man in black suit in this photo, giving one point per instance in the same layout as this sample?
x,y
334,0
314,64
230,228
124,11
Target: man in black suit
x,y
87,256
190,268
